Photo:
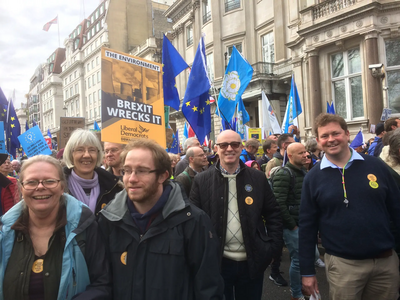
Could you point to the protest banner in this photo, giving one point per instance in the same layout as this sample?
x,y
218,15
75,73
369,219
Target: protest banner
x,y
2,139
132,99
67,126
33,142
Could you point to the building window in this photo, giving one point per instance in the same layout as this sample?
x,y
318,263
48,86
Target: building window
x,y
94,97
88,67
76,88
71,91
92,64
189,35
210,66
93,82
231,5
99,94
230,49
268,49
97,59
206,11
66,94
346,84
393,74
98,77
88,81
90,98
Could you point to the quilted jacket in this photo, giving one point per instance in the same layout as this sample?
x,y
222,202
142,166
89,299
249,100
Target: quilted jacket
x,y
258,210
289,197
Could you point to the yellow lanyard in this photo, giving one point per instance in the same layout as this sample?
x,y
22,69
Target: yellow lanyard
x,y
345,201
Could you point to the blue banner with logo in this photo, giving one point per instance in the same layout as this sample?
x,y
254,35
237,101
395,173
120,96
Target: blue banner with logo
x,y
33,142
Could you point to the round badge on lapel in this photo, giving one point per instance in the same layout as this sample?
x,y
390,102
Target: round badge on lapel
x,y
248,188
123,257
249,200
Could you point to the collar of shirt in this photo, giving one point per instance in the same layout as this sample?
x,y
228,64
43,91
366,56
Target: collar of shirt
x,y
223,171
325,162
195,172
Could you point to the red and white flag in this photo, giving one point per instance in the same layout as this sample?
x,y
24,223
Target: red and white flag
x,y
46,26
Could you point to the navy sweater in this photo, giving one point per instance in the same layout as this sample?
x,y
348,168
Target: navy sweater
x,y
359,231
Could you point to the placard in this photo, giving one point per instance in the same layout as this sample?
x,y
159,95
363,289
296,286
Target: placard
x,y
67,126
132,98
33,142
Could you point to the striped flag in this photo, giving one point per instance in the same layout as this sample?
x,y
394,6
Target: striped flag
x,y
46,26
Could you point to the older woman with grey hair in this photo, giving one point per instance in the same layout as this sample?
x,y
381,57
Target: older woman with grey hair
x,y
87,181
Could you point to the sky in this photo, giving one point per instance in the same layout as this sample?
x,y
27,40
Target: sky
x,y
24,45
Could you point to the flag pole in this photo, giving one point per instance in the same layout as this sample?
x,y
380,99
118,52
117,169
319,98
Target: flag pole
x,y
58,26
221,114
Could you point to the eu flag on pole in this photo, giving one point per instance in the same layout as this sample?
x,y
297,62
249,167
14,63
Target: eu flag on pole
x,y
49,133
237,76
175,144
3,107
96,126
358,140
173,64
13,130
26,126
293,108
196,103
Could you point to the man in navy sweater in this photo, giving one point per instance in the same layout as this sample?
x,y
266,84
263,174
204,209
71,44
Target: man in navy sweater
x,y
350,198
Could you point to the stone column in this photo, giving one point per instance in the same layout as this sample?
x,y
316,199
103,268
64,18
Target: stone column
x,y
315,86
374,85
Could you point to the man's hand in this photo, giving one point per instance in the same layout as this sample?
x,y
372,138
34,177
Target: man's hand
x,y
310,285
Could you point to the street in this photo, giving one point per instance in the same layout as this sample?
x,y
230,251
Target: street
x,y
274,292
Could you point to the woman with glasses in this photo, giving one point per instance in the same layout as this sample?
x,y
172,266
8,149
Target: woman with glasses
x,y
49,242
86,180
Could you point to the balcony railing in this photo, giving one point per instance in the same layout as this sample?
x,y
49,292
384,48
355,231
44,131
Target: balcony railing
x,y
206,17
231,5
277,70
263,68
329,7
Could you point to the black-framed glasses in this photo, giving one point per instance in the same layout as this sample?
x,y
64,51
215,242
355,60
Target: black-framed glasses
x,y
309,156
138,173
33,184
234,145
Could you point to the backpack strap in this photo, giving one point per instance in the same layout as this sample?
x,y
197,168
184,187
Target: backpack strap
x,y
188,176
81,241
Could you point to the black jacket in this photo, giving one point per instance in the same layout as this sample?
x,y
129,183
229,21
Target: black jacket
x,y
186,181
256,203
109,187
176,258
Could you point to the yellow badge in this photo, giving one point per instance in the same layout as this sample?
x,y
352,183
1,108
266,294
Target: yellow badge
x,y
123,257
373,184
37,266
248,200
371,177
102,206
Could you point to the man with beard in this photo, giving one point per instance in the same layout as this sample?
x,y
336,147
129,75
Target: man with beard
x,y
112,153
160,245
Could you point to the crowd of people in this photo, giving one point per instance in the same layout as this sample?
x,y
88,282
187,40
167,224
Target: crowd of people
x,y
113,221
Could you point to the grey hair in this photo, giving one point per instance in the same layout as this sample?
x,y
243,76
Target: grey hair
x,y
190,152
82,137
311,145
189,143
394,146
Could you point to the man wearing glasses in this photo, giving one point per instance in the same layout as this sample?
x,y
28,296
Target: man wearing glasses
x,y
112,153
197,160
251,148
160,245
243,209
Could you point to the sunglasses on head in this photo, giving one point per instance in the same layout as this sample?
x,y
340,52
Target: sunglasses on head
x,y
234,145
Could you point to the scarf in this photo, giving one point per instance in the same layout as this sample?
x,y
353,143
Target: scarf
x,y
76,185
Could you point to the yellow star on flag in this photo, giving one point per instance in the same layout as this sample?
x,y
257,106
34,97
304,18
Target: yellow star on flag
x,y
201,111
194,108
208,102
12,118
12,125
187,103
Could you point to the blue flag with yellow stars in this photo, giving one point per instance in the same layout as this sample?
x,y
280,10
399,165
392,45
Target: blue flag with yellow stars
x,y
13,130
173,64
175,149
196,103
3,107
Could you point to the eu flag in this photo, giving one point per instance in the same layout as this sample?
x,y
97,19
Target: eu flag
x,y
173,64
175,144
3,107
196,103
26,126
237,76
34,123
242,118
13,130
96,126
293,107
49,133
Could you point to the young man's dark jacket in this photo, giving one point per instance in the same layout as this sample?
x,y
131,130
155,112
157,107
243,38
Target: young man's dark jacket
x,y
186,179
256,204
176,258
109,187
288,196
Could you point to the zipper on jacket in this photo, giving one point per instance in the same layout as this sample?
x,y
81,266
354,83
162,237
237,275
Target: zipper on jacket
x,y
101,197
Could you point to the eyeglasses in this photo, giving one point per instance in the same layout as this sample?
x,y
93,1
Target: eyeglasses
x,y
112,150
33,184
309,156
201,155
138,173
234,145
81,151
